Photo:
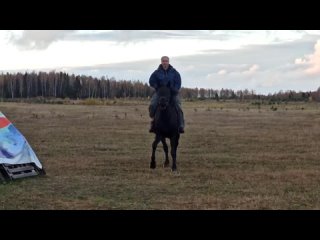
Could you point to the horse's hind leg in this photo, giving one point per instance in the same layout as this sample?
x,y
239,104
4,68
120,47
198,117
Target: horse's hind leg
x,y
174,142
154,148
165,149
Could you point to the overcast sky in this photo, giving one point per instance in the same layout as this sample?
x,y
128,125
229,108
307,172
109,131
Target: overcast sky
x,y
265,61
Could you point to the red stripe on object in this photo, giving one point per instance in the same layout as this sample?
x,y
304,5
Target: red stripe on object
x,y
4,122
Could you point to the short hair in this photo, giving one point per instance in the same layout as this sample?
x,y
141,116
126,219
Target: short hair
x,y
164,57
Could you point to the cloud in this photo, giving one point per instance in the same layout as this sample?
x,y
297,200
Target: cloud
x,y
188,68
312,32
134,36
126,36
42,39
38,39
300,61
252,69
222,72
311,61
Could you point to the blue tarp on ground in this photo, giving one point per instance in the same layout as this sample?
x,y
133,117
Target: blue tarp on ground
x,y
14,148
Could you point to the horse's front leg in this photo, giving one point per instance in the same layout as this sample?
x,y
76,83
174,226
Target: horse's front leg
x,y
165,149
154,148
174,142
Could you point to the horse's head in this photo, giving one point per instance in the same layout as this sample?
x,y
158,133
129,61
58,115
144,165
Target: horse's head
x,y
164,97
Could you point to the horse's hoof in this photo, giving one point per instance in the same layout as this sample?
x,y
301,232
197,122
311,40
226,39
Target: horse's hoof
x,y
175,172
174,169
152,165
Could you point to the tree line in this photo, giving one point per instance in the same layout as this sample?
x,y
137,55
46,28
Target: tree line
x,y
64,85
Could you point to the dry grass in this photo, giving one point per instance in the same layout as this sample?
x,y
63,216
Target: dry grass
x,y
232,156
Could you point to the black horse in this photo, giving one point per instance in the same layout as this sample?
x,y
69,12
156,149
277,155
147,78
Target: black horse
x,y
166,126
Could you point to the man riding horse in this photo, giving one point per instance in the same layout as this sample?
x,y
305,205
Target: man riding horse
x,y
166,75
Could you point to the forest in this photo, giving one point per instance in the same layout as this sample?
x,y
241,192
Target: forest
x,y
65,85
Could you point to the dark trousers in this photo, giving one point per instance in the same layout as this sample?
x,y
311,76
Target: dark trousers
x,y
176,100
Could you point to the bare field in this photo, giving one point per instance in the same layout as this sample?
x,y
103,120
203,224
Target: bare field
x,y
232,156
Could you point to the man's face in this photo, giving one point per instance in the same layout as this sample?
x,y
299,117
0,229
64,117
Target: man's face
x,y
165,63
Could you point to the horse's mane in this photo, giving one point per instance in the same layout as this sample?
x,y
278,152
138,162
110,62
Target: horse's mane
x,y
165,91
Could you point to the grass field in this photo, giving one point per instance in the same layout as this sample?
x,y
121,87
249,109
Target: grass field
x,y
232,156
